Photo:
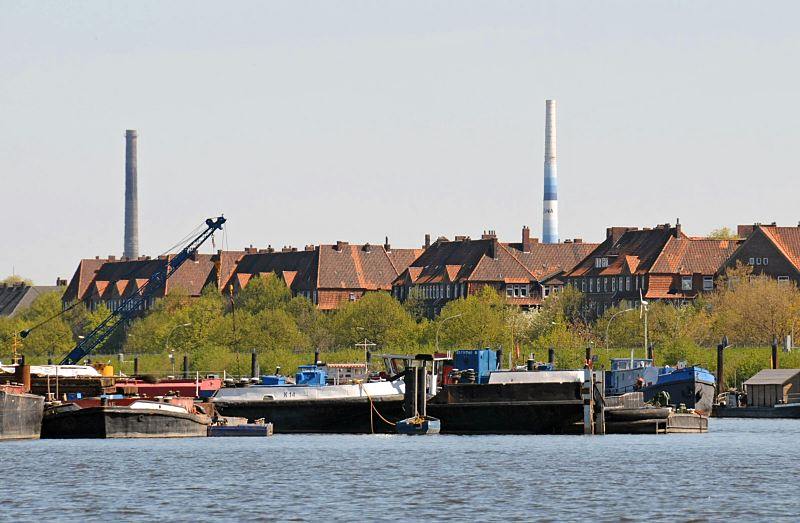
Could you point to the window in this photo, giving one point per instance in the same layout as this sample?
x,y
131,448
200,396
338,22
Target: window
x,y
613,285
708,283
583,285
627,283
605,284
591,284
766,261
619,284
352,296
686,283
509,292
523,291
601,262
752,261
783,279
758,261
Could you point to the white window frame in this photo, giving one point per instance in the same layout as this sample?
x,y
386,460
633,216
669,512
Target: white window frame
x,y
686,283
708,283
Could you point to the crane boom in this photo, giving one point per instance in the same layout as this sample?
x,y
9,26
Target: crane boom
x,y
136,301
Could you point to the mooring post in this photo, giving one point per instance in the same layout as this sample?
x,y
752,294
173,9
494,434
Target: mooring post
x,y
136,366
589,356
254,370
422,397
185,367
551,356
587,389
775,352
650,351
721,364
600,402
410,396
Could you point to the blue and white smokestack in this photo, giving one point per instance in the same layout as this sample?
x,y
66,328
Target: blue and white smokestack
x,y
550,216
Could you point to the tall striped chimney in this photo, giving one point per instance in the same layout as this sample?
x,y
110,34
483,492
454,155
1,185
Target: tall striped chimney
x,y
131,249
550,209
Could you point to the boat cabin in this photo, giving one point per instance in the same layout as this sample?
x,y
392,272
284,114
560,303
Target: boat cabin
x,y
771,387
630,374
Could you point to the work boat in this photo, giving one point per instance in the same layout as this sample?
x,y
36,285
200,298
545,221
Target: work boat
x,y
167,417
691,386
323,399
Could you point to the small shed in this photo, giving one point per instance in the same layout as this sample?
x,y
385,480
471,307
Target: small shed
x,y
772,386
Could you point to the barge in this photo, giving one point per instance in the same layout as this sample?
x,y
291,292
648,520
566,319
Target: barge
x,y
125,418
770,393
691,386
20,413
313,405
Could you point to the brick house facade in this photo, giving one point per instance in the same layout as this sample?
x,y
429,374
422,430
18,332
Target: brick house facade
x,y
770,250
455,269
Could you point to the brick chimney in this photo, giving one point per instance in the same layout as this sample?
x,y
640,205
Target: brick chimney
x,y
427,241
743,231
386,245
677,232
340,245
526,239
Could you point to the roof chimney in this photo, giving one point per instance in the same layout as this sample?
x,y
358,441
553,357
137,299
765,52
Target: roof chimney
x,y
340,245
526,239
427,241
131,248
386,245
678,228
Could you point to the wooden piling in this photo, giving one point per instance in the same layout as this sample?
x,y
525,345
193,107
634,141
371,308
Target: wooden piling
x,y
775,352
587,394
136,365
720,367
185,367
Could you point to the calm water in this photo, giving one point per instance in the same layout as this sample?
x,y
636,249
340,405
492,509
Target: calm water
x,y
741,470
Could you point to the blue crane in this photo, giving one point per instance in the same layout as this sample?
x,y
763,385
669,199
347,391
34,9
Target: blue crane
x,y
137,301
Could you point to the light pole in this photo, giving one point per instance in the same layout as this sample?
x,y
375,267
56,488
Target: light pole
x,y
609,323
166,344
440,326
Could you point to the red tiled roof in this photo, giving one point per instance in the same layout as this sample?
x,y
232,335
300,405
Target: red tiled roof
x,y
548,258
82,279
691,255
787,240
632,252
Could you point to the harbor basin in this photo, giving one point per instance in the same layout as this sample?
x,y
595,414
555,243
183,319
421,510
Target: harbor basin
x,y
741,469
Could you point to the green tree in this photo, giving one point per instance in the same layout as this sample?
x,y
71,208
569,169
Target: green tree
x,y
379,318
15,279
723,233
263,292
479,320
52,335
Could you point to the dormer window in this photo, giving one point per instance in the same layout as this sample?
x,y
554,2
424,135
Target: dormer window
x,y
601,262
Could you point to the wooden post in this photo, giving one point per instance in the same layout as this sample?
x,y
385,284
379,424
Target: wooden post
x,y
185,367
721,364
136,365
650,351
587,394
551,356
254,364
599,396
775,352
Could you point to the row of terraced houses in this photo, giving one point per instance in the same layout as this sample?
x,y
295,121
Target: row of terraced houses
x,y
660,263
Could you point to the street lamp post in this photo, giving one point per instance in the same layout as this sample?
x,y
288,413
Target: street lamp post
x,y
609,323
440,326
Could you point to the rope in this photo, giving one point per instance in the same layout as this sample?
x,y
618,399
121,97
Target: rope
x,y
373,407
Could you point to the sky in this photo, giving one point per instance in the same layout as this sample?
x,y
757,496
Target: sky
x,y
312,122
